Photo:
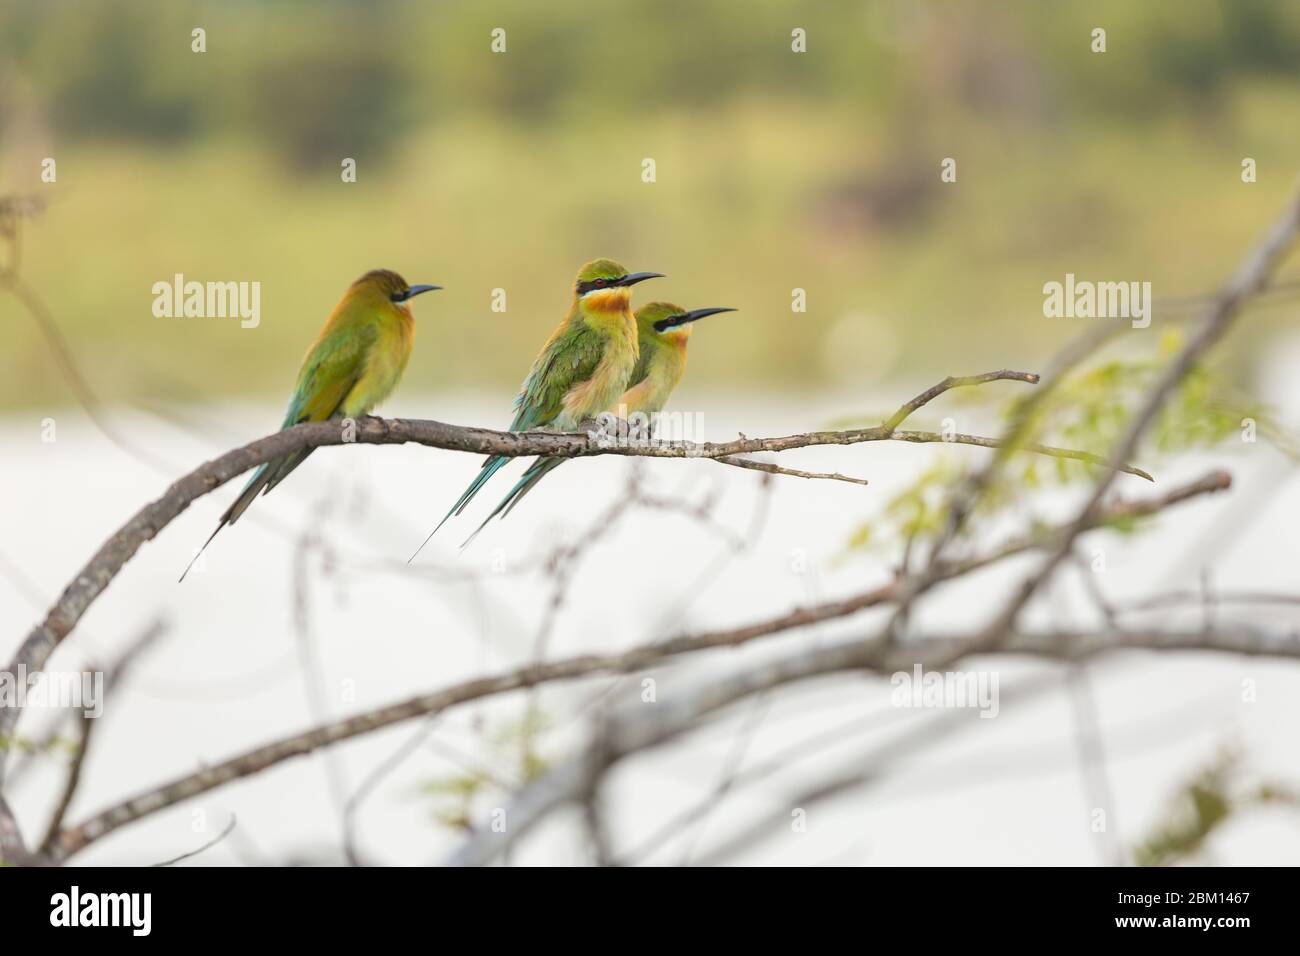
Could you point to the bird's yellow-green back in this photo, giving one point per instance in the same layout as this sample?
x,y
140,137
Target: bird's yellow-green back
x,y
663,333
359,355
588,359
582,369
661,361
355,363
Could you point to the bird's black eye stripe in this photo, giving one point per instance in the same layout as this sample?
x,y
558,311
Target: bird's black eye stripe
x,y
584,287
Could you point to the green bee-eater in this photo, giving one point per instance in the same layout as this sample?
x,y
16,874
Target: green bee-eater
x,y
663,330
354,364
583,368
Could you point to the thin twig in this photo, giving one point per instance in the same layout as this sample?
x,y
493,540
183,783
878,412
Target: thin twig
x,y
254,761
636,732
113,555
85,727
207,846
951,382
774,469
1251,276
1034,447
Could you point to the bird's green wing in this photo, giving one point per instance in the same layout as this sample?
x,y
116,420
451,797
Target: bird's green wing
x,y
570,357
568,360
329,371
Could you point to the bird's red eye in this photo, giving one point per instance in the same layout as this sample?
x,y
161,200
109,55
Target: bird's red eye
x,y
600,283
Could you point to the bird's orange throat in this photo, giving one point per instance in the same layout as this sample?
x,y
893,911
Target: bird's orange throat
x,y
618,299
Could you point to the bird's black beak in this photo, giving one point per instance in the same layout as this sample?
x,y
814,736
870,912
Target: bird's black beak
x,y
412,292
683,318
636,277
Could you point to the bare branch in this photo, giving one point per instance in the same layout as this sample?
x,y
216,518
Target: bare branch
x,y
1184,598
636,731
85,728
12,848
774,469
1050,451
113,555
951,382
113,676
254,761
225,832
1251,276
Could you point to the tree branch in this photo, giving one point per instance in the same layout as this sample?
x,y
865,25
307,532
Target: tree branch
x,y
774,469
113,555
951,382
636,730
77,837
1050,451
86,725
1251,276
225,832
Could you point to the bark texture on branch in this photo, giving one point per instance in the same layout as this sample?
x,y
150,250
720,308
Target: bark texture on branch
x,y
76,838
113,555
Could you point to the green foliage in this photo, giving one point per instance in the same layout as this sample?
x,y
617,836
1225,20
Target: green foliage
x,y
492,170
124,69
511,759
315,106
1205,803
116,70
25,745
919,511
1091,412
455,798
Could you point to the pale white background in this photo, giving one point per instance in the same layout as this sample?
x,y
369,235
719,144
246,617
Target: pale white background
x,y
229,673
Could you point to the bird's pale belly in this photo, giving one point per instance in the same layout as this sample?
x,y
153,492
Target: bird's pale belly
x,y
588,399
375,385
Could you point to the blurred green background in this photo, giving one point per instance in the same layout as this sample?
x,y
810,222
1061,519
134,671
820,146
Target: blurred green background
x,y
775,170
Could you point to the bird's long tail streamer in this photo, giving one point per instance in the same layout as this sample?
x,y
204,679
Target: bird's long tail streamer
x,y
490,468
526,483
263,477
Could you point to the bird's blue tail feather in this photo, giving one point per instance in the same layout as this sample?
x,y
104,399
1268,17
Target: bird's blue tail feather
x,y
490,468
536,471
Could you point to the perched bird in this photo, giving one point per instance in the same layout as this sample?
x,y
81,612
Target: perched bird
x,y
583,368
354,364
663,330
